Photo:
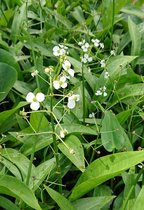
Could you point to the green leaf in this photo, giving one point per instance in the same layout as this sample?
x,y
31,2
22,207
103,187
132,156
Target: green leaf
x,y
139,202
62,202
78,15
72,149
7,204
8,76
4,116
11,186
38,121
42,170
8,58
12,157
104,169
135,35
77,128
128,93
92,203
112,134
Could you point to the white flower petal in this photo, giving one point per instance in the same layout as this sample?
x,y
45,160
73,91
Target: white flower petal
x,y
63,78
64,85
71,72
35,105
40,97
56,84
104,94
66,65
30,96
71,104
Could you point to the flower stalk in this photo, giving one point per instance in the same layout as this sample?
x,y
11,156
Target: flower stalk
x,y
55,147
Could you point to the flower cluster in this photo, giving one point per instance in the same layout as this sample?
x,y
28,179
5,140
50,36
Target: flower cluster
x,y
102,63
60,50
106,75
101,91
35,100
85,58
97,43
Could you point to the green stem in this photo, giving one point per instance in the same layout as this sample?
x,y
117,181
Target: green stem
x,y
83,93
132,189
113,14
56,154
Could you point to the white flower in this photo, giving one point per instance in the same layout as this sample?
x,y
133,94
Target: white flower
x,y
102,63
61,83
101,91
96,42
35,100
86,58
98,93
92,115
60,50
72,100
112,52
82,42
101,45
63,133
106,75
85,47
66,65
35,73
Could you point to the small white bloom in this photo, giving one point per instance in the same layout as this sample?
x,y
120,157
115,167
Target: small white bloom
x,y
63,133
91,115
60,50
106,75
66,65
86,58
71,72
61,83
56,51
101,91
72,100
35,100
82,42
96,42
98,93
35,73
101,45
85,47
102,63
112,52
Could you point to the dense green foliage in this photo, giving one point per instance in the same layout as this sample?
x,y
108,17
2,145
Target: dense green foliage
x,y
72,104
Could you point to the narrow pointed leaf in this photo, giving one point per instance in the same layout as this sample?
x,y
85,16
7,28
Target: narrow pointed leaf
x,y
73,150
11,186
62,202
104,169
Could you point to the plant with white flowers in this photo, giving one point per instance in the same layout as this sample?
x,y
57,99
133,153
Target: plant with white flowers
x,y
72,100
61,83
101,91
35,100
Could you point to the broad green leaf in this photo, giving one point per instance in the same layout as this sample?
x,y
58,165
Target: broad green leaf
x,y
8,76
78,15
104,169
12,157
72,149
135,35
38,121
62,202
139,202
8,58
11,186
7,204
78,128
5,115
19,17
42,170
112,134
92,203
128,93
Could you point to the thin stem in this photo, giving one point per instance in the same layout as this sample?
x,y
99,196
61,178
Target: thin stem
x,y
113,14
83,93
56,154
